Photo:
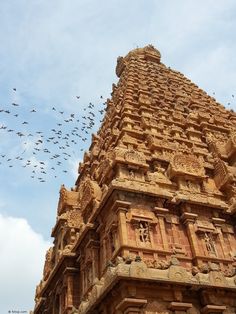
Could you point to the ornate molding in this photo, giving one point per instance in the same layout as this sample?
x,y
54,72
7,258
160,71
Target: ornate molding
x,y
188,166
67,199
90,195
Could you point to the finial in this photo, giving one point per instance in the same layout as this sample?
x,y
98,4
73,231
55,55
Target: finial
x,y
148,53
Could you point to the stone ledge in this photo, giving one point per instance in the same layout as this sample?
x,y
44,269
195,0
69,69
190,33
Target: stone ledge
x,y
180,306
208,309
130,302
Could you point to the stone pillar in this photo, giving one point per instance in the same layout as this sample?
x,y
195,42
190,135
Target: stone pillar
x,y
188,219
160,214
218,224
70,290
123,235
131,306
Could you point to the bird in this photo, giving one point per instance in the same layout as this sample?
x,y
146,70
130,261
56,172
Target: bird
x,y
20,134
62,142
14,89
78,97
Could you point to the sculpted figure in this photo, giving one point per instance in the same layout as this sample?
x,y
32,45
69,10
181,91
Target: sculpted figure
x,y
144,232
210,244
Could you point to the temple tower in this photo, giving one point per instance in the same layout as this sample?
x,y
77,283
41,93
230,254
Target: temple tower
x,y
150,226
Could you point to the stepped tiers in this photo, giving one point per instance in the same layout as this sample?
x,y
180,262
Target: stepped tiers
x,y
149,227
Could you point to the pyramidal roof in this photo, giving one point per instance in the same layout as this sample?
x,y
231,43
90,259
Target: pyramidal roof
x,y
156,115
154,197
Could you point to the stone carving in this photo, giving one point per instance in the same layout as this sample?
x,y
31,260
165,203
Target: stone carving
x,y
138,269
178,273
134,157
223,176
164,143
204,226
230,272
152,53
143,232
129,156
67,199
48,265
159,174
157,264
120,66
89,192
103,168
73,218
144,99
204,268
186,165
210,245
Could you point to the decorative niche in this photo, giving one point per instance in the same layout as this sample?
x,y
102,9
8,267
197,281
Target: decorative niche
x,y
143,223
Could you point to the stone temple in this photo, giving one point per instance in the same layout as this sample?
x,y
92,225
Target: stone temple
x,y
150,226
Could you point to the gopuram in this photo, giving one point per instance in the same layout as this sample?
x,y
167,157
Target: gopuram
x,y
149,227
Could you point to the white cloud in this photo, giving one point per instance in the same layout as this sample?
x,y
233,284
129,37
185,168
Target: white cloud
x,y
21,264
74,165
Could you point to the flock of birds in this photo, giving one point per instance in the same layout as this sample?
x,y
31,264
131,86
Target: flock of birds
x,y
46,142
45,152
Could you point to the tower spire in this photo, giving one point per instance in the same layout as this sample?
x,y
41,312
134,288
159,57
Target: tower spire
x,y
149,225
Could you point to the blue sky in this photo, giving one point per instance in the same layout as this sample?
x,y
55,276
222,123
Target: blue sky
x,y
53,51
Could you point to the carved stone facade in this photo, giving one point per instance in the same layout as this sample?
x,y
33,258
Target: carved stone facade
x,y
150,226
